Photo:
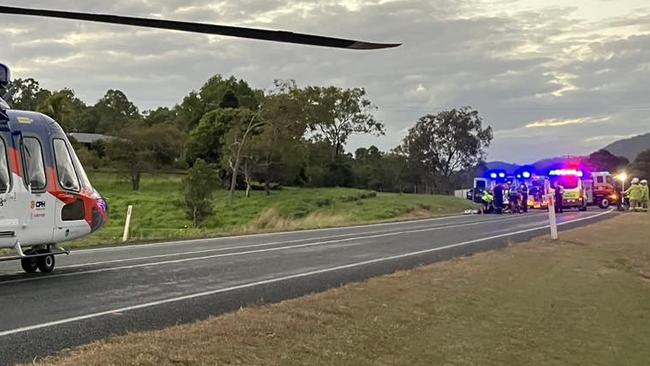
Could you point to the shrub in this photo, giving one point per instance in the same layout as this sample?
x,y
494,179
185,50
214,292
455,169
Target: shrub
x,y
200,184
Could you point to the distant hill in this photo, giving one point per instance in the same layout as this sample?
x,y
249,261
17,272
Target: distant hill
x,y
501,165
631,147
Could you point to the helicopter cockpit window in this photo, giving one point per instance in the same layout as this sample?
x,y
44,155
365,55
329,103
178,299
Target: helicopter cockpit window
x,y
4,168
64,167
33,155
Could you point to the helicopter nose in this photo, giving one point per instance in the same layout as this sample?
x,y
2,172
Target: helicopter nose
x,y
100,214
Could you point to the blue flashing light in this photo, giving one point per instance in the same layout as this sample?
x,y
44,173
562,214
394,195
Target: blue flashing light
x,y
493,175
502,175
526,175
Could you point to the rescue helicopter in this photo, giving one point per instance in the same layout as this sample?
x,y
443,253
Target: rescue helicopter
x,y
46,197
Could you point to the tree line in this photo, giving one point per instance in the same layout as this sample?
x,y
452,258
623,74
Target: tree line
x,y
262,139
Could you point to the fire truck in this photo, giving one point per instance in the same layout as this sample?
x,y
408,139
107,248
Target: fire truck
x,y
601,190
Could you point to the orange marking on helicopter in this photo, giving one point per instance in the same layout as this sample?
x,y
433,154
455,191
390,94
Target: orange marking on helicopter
x,y
52,179
64,197
15,157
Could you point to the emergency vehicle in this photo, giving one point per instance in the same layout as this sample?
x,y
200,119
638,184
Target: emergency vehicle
x,y
573,188
603,190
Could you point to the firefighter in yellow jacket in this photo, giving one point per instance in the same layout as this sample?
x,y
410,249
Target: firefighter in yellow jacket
x,y
645,195
635,193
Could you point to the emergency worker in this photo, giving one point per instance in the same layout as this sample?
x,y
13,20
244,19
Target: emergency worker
x,y
559,197
513,198
646,195
498,199
635,192
523,191
487,199
618,188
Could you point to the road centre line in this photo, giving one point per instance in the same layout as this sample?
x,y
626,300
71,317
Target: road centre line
x,y
166,255
245,236
193,259
280,279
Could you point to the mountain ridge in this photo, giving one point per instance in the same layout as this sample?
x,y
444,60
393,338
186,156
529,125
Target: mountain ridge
x,y
630,147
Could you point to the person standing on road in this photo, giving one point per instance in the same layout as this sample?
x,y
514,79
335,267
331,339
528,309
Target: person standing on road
x,y
635,192
523,190
645,197
498,199
618,188
559,197
513,198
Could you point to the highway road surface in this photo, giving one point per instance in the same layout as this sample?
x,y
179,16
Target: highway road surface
x,y
97,293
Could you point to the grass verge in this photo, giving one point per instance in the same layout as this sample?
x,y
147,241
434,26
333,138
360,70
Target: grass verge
x,y
159,214
584,300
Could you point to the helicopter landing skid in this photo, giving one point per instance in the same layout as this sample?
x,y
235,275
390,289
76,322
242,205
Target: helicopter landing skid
x,y
37,258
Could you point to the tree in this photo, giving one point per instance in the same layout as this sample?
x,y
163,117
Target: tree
x,y
214,92
114,112
394,171
64,107
368,168
27,94
138,149
641,165
190,112
89,159
276,151
440,145
229,100
334,114
199,186
160,116
243,124
207,140
603,160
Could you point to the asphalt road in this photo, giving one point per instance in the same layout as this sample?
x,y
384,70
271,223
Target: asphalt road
x,y
98,293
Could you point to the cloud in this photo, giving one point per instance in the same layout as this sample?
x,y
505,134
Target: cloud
x,y
557,122
607,139
553,68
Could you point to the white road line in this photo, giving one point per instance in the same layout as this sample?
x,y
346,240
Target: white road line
x,y
280,279
193,259
222,249
279,233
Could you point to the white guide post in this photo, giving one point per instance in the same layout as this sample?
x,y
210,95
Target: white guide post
x,y
129,210
551,210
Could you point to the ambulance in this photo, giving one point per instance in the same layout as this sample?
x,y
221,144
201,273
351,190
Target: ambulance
x,y
573,187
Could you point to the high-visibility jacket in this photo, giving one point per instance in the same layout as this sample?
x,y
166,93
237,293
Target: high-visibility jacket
x,y
646,193
487,197
636,192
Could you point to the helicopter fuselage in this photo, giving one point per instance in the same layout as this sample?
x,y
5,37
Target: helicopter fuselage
x,y
45,194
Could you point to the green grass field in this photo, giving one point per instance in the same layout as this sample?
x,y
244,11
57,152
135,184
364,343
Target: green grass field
x,y
158,212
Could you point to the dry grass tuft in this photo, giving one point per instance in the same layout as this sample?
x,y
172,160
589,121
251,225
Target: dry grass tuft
x,y
270,219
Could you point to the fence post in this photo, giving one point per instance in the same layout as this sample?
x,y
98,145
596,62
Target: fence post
x,y
129,210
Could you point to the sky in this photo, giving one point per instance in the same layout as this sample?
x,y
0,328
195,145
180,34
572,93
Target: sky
x,y
551,77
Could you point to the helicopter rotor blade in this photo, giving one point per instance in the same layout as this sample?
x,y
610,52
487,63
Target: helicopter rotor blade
x,y
223,30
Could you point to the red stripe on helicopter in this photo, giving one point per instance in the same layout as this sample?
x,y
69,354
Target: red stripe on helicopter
x,y
69,198
15,162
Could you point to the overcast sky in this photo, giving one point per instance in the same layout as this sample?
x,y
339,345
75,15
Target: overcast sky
x,y
550,78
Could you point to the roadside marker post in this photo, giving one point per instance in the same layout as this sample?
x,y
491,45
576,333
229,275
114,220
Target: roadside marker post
x,y
129,211
552,219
